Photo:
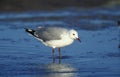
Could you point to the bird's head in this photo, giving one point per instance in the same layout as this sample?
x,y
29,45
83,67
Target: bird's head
x,y
74,35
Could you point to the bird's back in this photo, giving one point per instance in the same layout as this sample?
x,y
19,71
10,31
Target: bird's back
x,y
50,33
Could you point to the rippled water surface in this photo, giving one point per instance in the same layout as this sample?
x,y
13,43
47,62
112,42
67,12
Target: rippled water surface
x,y
97,55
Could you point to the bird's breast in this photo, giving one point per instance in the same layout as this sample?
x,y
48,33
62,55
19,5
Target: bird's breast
x,y
59,43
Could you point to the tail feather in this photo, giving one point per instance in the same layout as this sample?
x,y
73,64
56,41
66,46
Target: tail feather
x,y
30,31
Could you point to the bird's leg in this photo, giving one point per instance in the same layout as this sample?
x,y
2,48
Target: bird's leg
x,y
60,56
53,55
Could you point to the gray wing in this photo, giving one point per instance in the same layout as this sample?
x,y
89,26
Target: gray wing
x,y
49,33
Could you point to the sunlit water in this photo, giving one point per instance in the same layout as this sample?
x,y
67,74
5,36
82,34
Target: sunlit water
x,y
97,55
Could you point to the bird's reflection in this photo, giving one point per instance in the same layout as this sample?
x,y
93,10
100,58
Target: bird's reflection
x,y
58,70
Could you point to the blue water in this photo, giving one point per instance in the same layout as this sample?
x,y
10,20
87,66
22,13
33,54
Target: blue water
x,y
97,55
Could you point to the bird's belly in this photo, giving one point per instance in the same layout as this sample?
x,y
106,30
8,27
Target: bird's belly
x,y
58,43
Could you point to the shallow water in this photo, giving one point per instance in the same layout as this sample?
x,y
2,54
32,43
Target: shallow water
x,y
97,55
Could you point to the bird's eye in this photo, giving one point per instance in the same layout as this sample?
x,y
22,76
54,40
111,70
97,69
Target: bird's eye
x,y
73,34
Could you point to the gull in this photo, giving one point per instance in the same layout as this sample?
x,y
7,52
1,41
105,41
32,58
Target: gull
x,y
54,37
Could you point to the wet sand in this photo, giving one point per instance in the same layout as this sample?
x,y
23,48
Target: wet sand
x,y
96,56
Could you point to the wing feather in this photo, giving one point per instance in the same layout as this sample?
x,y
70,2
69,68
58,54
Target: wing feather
x,y
49,33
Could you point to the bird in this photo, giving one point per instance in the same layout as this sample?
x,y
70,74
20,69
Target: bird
x,y
54,37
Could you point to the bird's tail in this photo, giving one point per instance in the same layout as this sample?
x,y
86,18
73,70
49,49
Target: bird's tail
x,y
30,31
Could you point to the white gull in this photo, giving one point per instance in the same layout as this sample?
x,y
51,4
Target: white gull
x,y
55,37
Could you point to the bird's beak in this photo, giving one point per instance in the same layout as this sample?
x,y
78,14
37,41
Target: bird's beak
x,y
78,39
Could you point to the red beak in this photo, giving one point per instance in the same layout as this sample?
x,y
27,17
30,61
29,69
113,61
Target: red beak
x,y
79,39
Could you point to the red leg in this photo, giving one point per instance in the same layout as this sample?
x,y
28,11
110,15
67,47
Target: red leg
x,y
53,55
60,56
